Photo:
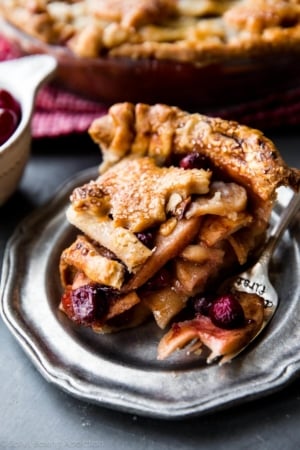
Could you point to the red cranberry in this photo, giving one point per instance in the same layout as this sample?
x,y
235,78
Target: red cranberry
x,y
10,114
7,101
8,124
160,280
88,303
226,312
146,238
67,302
194,161
202,305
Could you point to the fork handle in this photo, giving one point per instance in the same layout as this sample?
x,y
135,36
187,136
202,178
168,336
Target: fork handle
x,y
284,221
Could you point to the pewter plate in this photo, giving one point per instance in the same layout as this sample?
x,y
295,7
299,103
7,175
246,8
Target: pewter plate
x,y
120,371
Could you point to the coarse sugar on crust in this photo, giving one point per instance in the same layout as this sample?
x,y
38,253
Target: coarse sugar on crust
x,y
160,131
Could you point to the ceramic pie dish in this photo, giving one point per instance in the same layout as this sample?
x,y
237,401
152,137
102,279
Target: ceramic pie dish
x,y
189,53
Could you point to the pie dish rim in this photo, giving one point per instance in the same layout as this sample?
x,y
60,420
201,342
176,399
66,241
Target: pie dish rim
x,y
214,86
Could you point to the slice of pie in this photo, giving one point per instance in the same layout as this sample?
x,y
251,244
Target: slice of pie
x,y
181,202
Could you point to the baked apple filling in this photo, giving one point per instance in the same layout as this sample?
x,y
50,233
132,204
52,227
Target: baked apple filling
x,y
181,202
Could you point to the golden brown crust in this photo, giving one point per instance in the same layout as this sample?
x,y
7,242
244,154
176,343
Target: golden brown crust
x,y
132,13
136,192
122,242
83,256
182,30
160,131
259,15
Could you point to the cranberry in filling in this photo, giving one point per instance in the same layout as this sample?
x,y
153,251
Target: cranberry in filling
x,y
226,312
89,302
194,161
202,304
160,280
146,238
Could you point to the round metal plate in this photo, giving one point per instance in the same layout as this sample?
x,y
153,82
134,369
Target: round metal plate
x,y
120,370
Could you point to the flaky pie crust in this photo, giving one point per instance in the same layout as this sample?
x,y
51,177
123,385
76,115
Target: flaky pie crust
x,y
198,31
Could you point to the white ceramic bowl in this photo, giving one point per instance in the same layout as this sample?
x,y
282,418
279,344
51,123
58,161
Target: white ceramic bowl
x,y
22,78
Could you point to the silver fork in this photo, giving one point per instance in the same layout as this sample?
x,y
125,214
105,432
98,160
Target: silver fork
x,y
256,278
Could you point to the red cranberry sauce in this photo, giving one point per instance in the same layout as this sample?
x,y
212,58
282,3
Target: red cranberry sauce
x,y
10,115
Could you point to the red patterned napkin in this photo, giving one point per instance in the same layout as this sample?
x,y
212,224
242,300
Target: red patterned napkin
x,y
59,113
281,109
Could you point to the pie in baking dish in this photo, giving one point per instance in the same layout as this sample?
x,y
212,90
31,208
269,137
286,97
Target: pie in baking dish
x,y
180,202
181,30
